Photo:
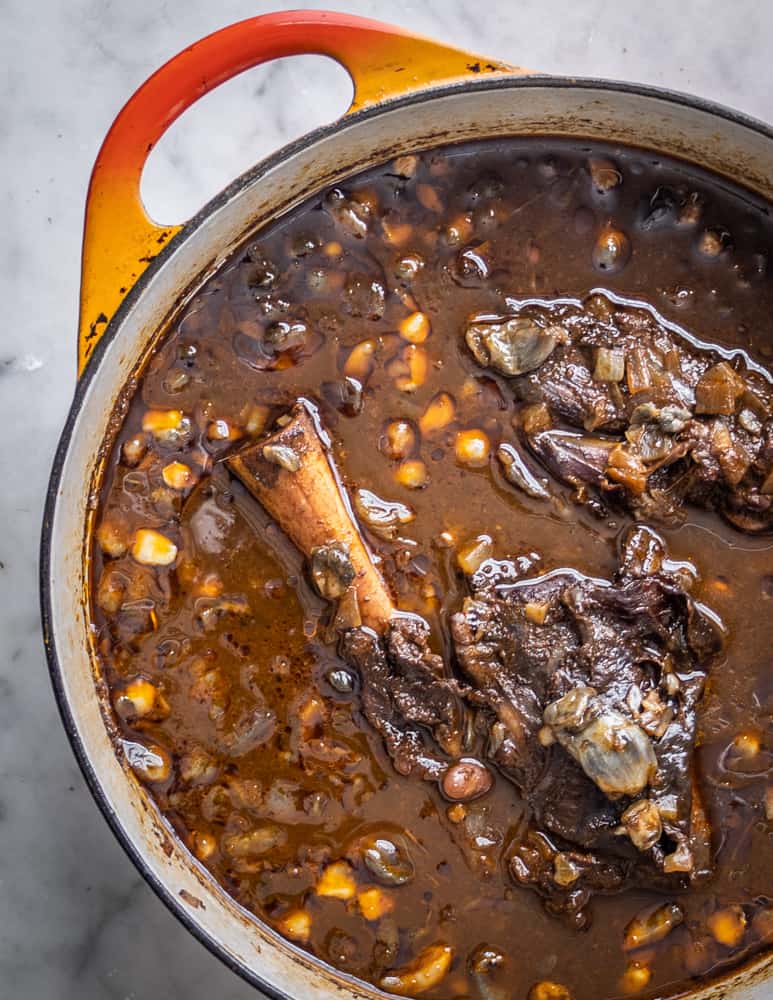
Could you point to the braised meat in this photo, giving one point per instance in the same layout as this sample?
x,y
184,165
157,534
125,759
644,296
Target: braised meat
x,y
637,411
405,692
586,692
591,689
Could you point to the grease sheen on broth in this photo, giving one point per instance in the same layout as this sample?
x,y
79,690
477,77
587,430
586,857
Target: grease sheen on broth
x,y
231,698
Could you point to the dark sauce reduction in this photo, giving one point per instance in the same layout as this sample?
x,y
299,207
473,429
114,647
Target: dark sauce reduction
x,y
231,699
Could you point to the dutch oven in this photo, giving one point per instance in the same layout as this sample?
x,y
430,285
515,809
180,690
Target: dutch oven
x,y
410,93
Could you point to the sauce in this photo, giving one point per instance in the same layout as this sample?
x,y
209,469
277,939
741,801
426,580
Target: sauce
x,y
231,697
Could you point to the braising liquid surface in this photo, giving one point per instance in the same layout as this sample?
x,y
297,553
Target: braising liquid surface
x,y
231,699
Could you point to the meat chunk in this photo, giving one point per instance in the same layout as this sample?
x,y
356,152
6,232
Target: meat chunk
x,y
641,414
407,695
591,690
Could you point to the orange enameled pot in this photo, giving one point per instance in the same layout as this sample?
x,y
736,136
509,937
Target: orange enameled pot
x,y
410,93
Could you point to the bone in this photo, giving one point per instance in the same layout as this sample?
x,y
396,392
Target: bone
x,y
291,472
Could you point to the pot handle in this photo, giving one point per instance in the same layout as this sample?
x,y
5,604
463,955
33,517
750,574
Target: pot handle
x,y
120,240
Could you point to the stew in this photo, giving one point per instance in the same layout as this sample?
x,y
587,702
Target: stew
x,y
432,574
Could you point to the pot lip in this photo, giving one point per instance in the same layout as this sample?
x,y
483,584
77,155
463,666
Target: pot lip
x,y
56,672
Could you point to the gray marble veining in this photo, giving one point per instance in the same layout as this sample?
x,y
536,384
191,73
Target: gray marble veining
x,y
76,921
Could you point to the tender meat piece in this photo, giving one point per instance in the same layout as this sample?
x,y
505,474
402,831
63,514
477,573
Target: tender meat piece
x,y
407,695
566,384
680,424
510,664
566,879
732,470
591,689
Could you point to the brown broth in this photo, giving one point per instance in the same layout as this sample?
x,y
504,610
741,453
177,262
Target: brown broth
x,y
540,226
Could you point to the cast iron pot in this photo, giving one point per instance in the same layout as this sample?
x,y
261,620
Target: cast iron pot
x,y
410,93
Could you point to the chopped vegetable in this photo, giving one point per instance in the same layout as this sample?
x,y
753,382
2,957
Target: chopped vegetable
x,y
415,328
361,360
652,926
472,448
426,972
178,476
566,871
387,861
440,413
548,990
429,198
159,422
295,924
718,390
626,468
604,174
399,439
375,903
637,371
383,517
518,473
473,554
337,880
728,926
151,548
636,977
642,824
137,699
149,761
610,365
611,251
418,364
412,474
113,536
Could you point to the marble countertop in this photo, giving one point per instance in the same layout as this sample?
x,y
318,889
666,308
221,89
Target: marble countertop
x,y
76,920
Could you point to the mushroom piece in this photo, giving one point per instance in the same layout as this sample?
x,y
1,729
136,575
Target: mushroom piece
x,y
331,570
490,972
513,345
465,780
304,494
424,973
387,860
651,926
614,752
517,472
383,517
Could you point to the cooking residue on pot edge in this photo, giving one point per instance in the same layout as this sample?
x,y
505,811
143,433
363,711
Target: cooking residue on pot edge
x,y
433,582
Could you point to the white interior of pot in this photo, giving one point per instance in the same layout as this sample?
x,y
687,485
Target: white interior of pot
x,y
728,147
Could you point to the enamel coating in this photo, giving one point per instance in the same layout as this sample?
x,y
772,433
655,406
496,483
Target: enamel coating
x,y
120,240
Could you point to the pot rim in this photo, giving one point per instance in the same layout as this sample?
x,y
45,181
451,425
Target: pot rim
x,y
56,671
